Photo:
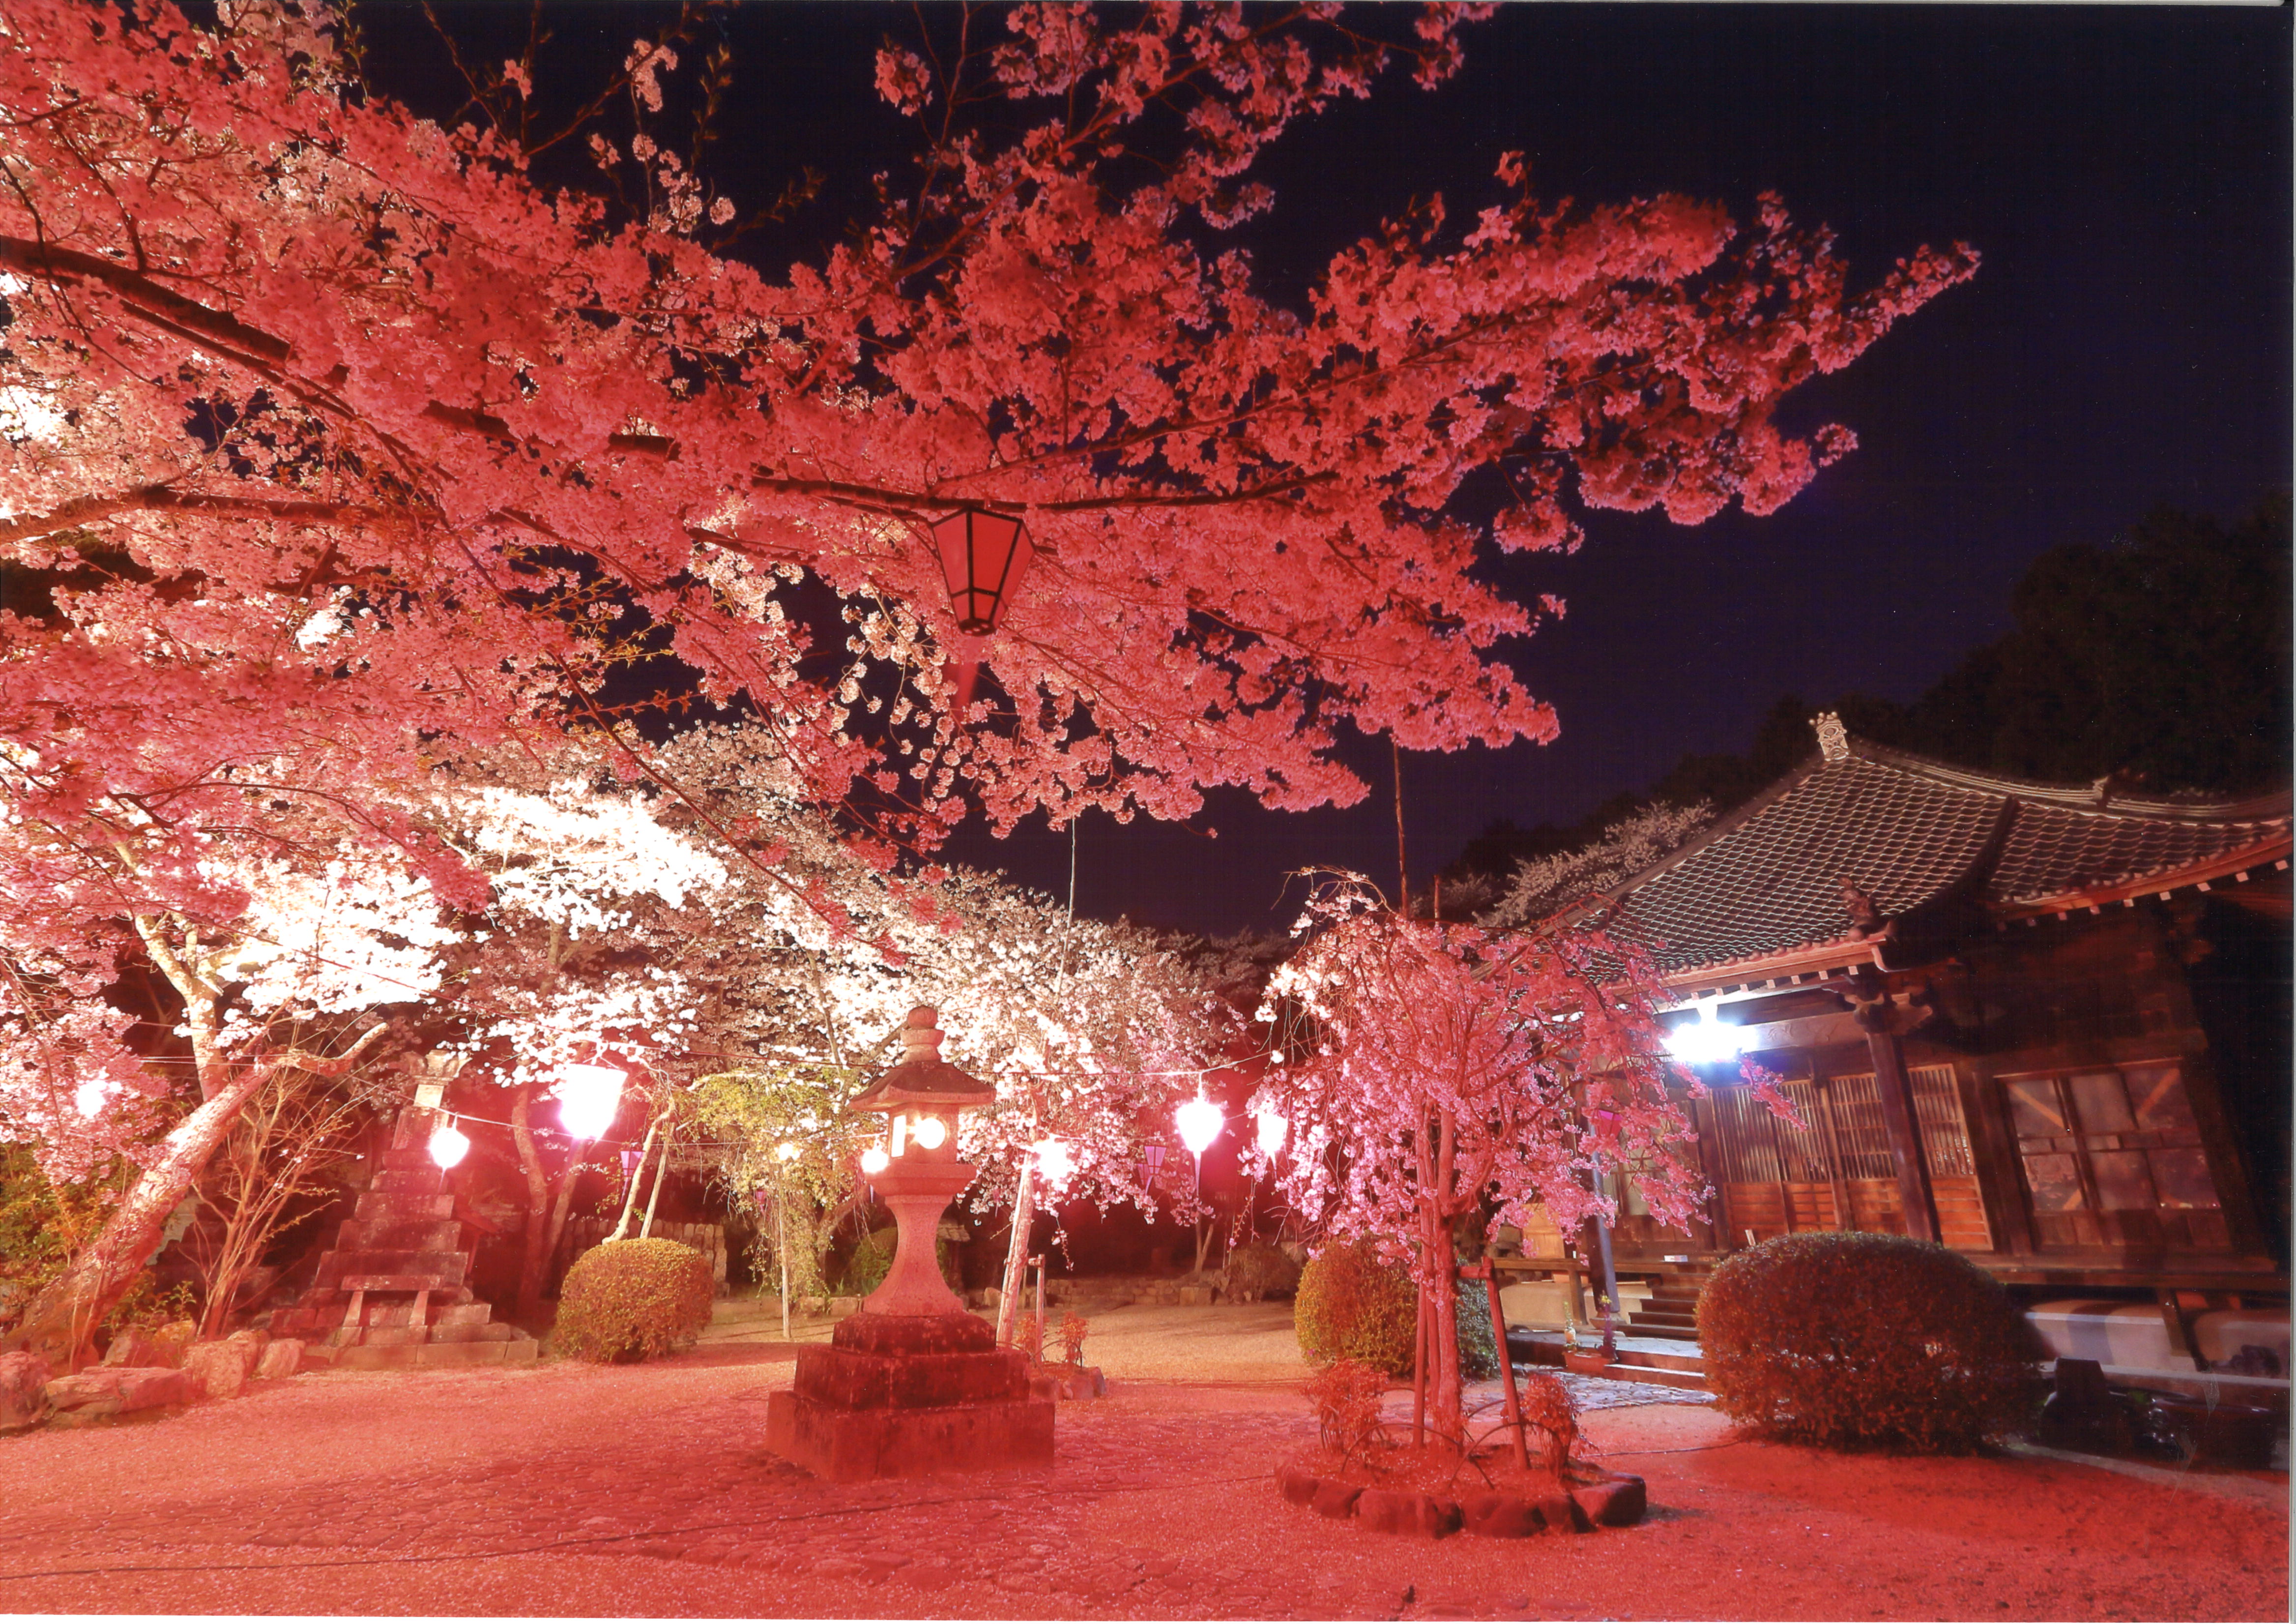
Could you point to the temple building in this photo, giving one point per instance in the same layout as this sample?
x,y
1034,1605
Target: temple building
x,y
2047,1026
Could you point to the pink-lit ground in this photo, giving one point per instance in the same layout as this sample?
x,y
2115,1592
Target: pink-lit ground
x,y
645,1491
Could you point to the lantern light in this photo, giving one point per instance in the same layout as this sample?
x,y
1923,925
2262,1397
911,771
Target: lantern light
x,y
1054,1161
900,1133
931,1133
588,1099
1273,1129
786,1151
1706,1040
630,1155
448,1144
1200,1122
874,1161
983,557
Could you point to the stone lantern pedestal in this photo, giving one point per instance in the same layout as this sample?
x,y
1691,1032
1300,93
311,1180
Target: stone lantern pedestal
x,y
911,1384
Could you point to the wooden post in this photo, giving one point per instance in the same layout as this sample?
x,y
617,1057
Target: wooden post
x,y
1016,1256
1844,1217
1898,1115
1489,1276
780,1228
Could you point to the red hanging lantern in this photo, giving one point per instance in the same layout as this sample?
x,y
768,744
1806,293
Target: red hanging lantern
x,y
983,557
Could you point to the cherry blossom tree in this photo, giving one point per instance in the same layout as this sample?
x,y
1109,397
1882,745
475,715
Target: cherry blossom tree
x,y
1540,886
363,428
336,448
1439,1068
1090,1032
276,964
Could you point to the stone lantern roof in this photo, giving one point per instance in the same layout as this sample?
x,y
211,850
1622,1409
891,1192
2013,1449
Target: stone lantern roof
x,y
921,1079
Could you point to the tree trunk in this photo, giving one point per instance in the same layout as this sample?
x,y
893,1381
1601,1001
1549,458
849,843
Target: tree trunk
x,y
62,1317
1016,1256
1445,1399
558,1210
537,1260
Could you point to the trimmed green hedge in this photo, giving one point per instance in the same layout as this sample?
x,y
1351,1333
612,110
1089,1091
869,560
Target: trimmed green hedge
x,y
1852,1340
1259,1271
1350,1305
633,1300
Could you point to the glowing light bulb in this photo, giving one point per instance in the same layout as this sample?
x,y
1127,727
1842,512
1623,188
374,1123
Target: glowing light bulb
x,y
1199,1122
1054,1160
874,1161
1273,1129
786,1151
588,1099
448,1144
1705,1040
931,1133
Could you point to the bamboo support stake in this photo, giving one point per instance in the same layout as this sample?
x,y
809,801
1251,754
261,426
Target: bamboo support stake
x,y
630,1195
1490,1279
661,1172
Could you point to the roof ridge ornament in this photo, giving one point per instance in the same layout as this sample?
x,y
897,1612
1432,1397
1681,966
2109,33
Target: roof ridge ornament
x,y
1832,737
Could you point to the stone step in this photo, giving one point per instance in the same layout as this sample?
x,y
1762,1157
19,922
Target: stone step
x,y
470,1331
401,1207
434,1268
425,1233
407,1181
438,1355
1657,1376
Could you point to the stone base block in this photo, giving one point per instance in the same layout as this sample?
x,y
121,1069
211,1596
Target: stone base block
x,y
848,1445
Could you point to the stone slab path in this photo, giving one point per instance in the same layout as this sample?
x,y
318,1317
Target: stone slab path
x,y
645,1491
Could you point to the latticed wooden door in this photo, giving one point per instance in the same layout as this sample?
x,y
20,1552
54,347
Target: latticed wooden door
x,y
2112,1158
1835,1171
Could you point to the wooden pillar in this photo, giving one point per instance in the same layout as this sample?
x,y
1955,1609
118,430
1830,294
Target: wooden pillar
x,y
1898,1115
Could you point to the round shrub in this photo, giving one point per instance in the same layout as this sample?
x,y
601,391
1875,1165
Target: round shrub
x,y
1260,1271
1350,1305
1851,1340
872,1260
1353,1306
633,1300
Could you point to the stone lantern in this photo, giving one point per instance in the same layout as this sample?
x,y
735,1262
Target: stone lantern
x,y
921,1097
911,1384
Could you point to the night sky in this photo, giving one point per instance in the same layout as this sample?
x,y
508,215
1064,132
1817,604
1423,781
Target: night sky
x,y
2125,171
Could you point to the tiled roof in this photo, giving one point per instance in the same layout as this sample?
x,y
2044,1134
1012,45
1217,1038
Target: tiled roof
x,y
1768,880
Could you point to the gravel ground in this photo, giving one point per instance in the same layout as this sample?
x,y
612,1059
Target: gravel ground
x,y
568,1490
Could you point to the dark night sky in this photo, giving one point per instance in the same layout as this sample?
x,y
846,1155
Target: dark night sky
x,y
2125,171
